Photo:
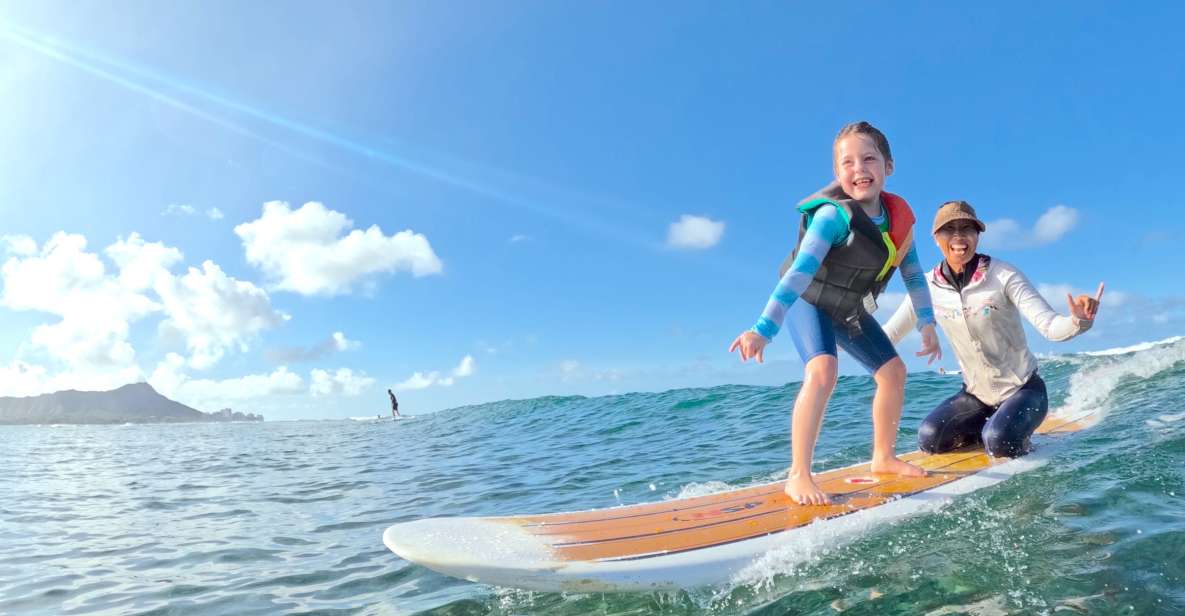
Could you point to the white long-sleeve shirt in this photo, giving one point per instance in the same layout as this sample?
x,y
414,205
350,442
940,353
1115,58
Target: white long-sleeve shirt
x,y
982,325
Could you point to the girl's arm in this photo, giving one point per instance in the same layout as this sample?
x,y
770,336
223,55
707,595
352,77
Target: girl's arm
x,y
915,284
827,228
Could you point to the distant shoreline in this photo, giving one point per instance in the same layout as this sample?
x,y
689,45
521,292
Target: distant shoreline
x,y
137,403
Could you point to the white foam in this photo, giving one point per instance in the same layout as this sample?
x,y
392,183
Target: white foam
x,y
694,489
1143,346
1163,421
992,606
804,545
1091,386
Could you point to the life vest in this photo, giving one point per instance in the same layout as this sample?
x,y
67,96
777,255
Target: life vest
x,y
863,264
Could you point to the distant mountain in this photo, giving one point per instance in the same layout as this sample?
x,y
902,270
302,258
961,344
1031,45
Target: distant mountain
x,y
136,403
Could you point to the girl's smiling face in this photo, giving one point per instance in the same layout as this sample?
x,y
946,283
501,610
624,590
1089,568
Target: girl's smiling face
x,y
861,168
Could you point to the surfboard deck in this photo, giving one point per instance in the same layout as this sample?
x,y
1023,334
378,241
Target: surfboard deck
x,y
692,541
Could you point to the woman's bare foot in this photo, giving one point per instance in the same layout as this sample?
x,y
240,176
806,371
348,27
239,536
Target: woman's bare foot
x,y
896,466
801,488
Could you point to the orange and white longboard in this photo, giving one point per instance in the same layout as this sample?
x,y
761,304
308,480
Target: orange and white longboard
x,y
693,541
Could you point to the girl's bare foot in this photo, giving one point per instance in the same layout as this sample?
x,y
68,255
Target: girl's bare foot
x,y
801,488
896,466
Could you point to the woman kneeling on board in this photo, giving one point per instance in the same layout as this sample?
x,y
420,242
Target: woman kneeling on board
x,y
978,302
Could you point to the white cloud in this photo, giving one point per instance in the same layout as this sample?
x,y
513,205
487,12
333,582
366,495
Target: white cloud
x,y
21,378
572,370
141,264
419,380
694,232
335,343
177,209
210,394
251,386
95,308
1007,233
170,379
1054,223
206,310
341,343
465,368
19,245
514,239
342,382
424,380
304,251
214,313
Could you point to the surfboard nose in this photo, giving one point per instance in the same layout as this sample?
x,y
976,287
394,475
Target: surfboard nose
x,y
464,547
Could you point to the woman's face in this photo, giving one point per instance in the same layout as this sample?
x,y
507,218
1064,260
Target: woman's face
x,y
957,240
860,167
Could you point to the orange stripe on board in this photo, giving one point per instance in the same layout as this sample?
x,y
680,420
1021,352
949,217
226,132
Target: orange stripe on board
x,y
638,531
630,538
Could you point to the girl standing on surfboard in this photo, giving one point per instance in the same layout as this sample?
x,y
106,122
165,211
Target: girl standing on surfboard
x,y
979,301
851,238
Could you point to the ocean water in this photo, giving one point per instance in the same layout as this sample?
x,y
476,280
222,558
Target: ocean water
x,y
287,517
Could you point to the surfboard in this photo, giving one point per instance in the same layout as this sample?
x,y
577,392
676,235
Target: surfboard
x,y
700,540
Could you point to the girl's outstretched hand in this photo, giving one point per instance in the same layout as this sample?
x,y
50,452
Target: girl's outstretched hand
x,y
751,344
930,344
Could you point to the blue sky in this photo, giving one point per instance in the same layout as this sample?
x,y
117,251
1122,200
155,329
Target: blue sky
x,y
479,201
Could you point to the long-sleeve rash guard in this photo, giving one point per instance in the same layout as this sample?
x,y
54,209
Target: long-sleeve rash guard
x,y
826,229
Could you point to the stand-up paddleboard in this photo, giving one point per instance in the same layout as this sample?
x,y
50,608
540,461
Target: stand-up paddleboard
x,y
691,541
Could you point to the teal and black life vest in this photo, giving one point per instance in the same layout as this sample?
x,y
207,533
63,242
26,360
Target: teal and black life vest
x,y
863,264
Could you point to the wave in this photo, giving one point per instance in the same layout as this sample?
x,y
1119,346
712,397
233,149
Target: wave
x,y
1143,346
1091,387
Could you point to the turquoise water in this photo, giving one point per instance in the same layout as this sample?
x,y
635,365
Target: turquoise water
x,y
286,517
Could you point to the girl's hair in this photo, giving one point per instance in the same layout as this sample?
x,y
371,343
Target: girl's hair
x,y
870,131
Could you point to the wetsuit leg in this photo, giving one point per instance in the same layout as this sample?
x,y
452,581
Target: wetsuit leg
x,y
1008,430
871,346
810,330
954,423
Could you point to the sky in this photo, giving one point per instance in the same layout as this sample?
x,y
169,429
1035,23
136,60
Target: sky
x,y
289,207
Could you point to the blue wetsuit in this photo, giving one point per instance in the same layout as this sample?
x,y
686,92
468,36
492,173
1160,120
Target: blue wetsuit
x,y
815,333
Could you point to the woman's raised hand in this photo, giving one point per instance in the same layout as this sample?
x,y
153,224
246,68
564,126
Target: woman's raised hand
x,y
930,344
1085,307
751,344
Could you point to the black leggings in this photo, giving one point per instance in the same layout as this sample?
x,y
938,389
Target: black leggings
x,y
1004,430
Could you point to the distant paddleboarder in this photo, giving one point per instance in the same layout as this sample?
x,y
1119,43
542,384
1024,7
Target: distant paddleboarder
x,y
394,405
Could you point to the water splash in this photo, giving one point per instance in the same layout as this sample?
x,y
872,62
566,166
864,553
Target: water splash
x,y
1091,386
